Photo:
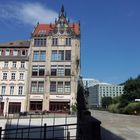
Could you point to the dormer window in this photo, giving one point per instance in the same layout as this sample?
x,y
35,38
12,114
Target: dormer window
x,y
23,52
15,52
42,32
7,52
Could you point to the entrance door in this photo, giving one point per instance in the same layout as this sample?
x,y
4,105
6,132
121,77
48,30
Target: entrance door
x,y
1,108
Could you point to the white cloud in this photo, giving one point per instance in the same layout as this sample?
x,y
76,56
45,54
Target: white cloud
x,y
27,13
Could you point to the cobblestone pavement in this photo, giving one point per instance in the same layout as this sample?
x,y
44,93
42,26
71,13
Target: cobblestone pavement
x,y
118,126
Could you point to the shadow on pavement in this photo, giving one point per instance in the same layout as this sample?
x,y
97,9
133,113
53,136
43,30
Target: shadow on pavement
x,y
107,135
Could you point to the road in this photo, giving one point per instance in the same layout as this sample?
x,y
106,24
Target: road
x,y
118,126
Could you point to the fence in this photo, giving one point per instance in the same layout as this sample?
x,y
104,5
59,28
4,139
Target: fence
x,y
54,132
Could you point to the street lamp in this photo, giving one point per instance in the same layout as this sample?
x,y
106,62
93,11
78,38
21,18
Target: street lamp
x,y
7,99
1,98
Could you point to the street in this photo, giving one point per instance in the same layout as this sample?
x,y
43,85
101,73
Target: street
x,y
118,126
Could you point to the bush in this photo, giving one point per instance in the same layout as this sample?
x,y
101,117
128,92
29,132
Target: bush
x,y
132,108
114,108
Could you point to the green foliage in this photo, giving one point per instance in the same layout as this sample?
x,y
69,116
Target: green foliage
x,y
74,108
125,103
132,108
106,101
116,100
114,108
132,89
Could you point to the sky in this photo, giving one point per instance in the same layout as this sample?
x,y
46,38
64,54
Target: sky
x,y
110,32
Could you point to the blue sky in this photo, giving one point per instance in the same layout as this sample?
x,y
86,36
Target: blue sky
x,y
110,32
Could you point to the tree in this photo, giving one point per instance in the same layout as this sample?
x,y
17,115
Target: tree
x,y
106,101
131,91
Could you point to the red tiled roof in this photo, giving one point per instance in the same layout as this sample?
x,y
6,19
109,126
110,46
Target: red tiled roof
x,y
48,28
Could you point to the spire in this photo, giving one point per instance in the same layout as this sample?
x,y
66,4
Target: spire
x,y
62,9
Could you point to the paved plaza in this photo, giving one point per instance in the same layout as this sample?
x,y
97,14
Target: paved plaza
x,y
118,126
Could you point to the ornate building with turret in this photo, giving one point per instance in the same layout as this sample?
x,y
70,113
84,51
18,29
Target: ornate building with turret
x,y
54,65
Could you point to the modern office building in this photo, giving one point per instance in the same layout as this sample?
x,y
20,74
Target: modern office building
x,y
88,82
54,65
103,90
13,76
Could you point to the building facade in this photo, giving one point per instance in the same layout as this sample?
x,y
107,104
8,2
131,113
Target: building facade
x,y
54,65
97,92
88,82
13,76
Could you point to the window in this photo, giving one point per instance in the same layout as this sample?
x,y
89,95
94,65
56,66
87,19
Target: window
x,y
23,52
42,55
53,70
68,55
13,76
34,70
39,56
0,52
6,64
20,90
57,56
40,42
67,87
22,65
40,87
60,87
37,86
52,86
60,70
15,52
34,86
68,41
7,52
38,70
11,90
4,76
61,55
14,64
54,41
54,55
67,70
36,56
42,32
3,89
21,76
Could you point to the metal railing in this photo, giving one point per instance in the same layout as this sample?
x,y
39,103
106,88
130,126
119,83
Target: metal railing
x,y
54,132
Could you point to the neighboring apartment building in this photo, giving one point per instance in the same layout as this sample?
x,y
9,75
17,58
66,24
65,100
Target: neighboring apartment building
x,y
13,76
103,90
54,65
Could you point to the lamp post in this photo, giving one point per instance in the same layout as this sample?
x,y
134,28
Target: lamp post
x,y
7,99
1,98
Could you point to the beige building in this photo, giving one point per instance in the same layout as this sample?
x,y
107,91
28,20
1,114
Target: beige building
x,y
54,65
13,76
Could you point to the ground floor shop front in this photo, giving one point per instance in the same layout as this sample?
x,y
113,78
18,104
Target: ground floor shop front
x,y
54,106
12,105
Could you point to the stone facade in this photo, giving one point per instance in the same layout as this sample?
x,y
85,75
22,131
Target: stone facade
x,y
13,76
54,66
